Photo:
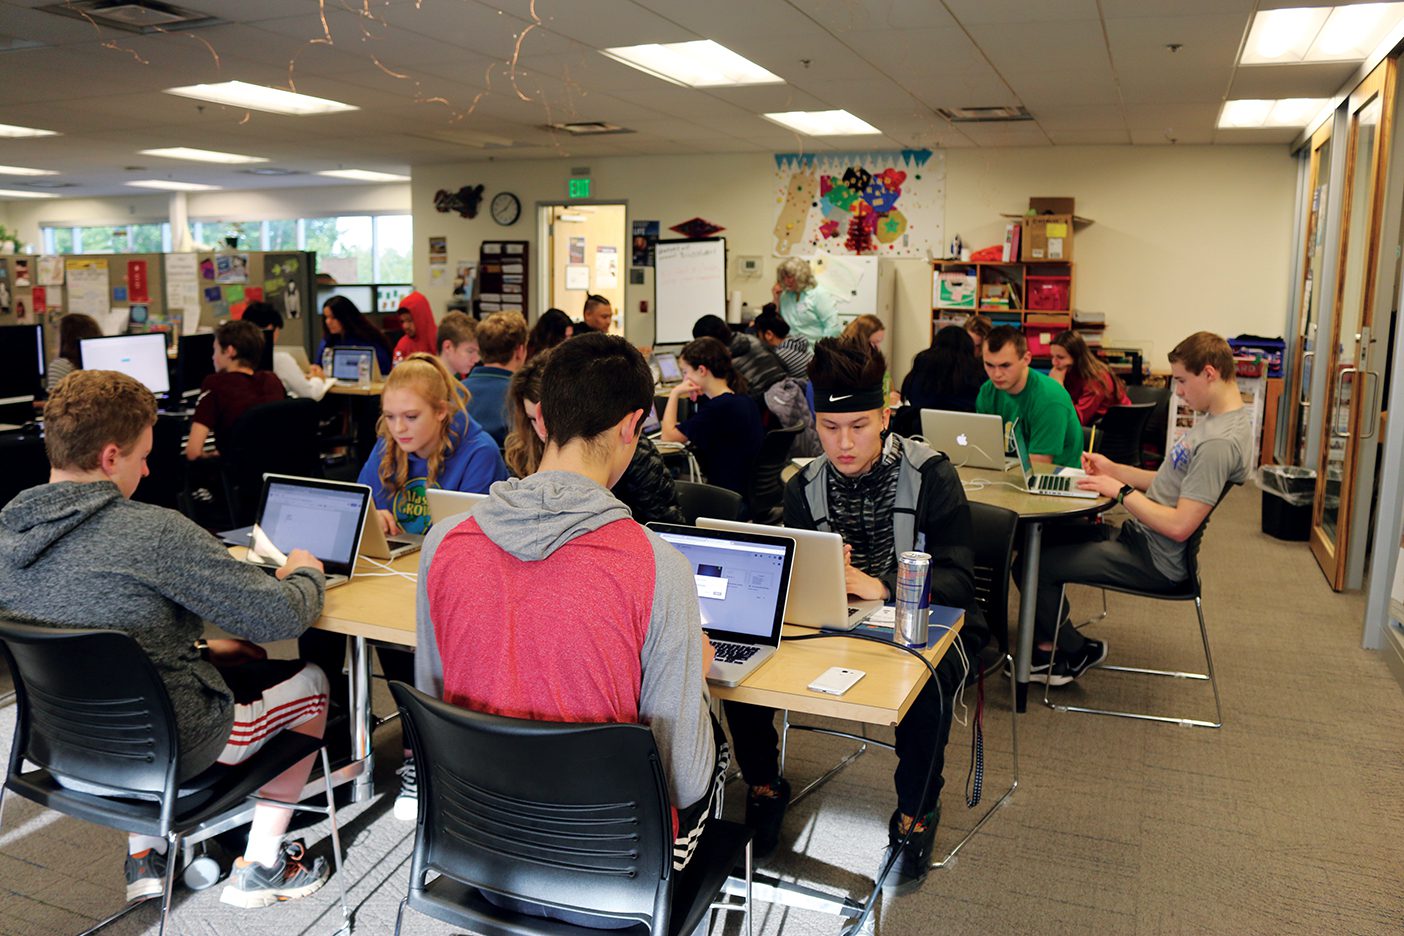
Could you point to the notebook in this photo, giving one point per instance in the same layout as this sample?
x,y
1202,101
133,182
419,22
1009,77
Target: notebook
x,y
323,517
972,440
1061,484
817,597
742,581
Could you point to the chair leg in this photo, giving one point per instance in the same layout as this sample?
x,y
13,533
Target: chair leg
x,y
400,914
172,853
1097,617
1209,662
749,905
336,836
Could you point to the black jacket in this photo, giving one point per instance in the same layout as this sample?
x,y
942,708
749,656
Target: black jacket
x,y
756,362
647,487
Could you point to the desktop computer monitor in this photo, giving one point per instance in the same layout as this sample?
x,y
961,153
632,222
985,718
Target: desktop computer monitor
x,y
21,363
194,361
140,356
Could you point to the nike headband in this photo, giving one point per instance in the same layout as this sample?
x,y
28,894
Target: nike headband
x,y
856,401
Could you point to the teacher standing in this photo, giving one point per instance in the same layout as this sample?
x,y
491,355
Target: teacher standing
x,y
808,308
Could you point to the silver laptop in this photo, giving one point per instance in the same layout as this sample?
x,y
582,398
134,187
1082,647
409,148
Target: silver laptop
x,y
817,597
376,545
346,364
323,517
971,440
1063,483
445,504
669,372
742,580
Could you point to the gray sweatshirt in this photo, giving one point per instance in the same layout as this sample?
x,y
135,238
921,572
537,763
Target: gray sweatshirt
x,y
81,555
527,521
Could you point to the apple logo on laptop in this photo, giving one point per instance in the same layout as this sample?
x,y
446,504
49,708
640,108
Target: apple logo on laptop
x,y
962,440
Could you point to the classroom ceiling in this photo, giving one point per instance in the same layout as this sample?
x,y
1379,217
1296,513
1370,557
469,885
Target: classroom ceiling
x,y
445,80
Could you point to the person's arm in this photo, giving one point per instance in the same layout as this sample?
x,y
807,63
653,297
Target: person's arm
x,y
1088,404
669,422
825,311
1211,466
294,381
195,443
1095,463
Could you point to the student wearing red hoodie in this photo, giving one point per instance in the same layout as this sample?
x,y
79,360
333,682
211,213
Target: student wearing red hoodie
x,y
417,320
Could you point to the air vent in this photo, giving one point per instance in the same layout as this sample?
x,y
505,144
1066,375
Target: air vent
x,y
985,114
272,171
588,128
16,44
134,16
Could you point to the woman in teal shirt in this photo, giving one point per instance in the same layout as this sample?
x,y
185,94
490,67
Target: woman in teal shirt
x,y
804,304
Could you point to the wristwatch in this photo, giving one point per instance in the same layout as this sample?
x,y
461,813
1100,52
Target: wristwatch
x,y
202,647
1126,491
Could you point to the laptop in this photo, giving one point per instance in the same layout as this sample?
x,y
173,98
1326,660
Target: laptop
x,y
1061,484
346,364
376,545
817,597
323,517
742,580
669,372
445,504
972,440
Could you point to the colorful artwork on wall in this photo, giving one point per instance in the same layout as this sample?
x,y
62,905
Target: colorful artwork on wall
x,y
878,204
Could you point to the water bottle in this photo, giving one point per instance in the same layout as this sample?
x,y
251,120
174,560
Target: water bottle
x,y
363,369
327,361
913,599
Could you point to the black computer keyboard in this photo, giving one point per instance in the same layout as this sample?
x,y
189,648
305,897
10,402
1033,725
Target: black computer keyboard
x,y
734,653
1056,482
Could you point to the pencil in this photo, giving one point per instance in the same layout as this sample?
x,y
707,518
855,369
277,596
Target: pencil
x,y
1092,440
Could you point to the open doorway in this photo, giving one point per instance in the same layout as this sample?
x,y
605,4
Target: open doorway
x,y
586,245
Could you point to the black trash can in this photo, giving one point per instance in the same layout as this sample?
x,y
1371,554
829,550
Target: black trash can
x,y
1287,498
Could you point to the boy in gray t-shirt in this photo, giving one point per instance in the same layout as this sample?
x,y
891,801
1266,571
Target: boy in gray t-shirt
x,y
1166,506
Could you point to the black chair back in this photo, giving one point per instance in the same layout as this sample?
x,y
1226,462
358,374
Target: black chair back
x,y
1156,427
574,816
707,500
766,487
1120,431
278,437
994,530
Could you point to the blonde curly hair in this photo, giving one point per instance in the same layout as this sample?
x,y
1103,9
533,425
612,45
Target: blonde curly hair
x,y
797,269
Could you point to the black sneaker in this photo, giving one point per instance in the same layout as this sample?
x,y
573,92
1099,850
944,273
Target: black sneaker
x,y
253,885
407,800
765,814
146,875
913,861
1038,667
1072,665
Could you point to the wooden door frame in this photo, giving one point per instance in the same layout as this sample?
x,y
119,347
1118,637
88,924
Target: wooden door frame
x,y
1316,221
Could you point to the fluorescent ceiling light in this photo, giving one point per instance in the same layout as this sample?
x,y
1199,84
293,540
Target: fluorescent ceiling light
x,y
823,123
21,170
1320,34
12,193
168,185
9,130
203,155
1288,112
364,175
260,98
700,64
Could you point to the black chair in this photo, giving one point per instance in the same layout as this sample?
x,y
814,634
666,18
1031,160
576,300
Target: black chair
x,y
1152,437
91,708
278,437
1188,590
766,489
571,816
707,500
1120,433
994,530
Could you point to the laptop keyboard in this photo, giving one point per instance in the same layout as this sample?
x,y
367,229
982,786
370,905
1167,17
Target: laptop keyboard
x,y
1055,482
734,653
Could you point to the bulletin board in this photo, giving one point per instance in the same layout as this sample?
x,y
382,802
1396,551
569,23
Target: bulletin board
x,y
689,282
123,292
227,281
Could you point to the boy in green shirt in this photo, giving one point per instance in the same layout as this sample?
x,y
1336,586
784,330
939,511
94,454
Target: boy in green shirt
x,y
1040,409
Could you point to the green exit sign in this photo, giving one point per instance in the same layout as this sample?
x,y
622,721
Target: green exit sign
x,y
579,188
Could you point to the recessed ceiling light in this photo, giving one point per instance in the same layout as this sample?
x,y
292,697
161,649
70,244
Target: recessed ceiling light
x,y
1256,113
169,185
203,155
260,98
364,175
699,64
271,171
823,123
12,193
21,170
1320,34
9,130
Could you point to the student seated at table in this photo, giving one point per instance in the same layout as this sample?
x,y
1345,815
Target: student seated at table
x,y
646,487
596,316
553,327
884,495
1166,506
1089,381
427,440
726,431
946,376
419,333
295,382
78,552
458,343
73,328
791,347
1038,408
978,327
235,386
531,609
502,340
757,364
343,325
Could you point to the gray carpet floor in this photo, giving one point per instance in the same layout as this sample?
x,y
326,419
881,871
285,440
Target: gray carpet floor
x,y
1285,821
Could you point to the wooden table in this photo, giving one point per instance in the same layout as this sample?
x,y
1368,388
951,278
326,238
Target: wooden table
x,y
345,389
1005,489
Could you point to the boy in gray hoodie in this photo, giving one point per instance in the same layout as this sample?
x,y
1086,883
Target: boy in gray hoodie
x,y
78,552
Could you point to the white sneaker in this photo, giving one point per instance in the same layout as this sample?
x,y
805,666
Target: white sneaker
x,y
407,800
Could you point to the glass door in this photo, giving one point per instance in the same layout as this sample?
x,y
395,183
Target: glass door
x,y
1350,386
1313,265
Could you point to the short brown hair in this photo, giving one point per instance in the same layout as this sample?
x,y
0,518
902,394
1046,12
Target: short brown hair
x,y
1007,334
1205,349
90,410
456,328
500,335
245,338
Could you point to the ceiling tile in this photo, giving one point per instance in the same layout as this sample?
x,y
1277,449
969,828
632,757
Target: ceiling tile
x,y
1087,117
1024,133
1023,46
1160,138
1123,9
1089,137
1014,12
1290,81
1177,116
1050,87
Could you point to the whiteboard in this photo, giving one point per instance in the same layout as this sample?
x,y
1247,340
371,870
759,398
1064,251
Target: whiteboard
x,y
689,282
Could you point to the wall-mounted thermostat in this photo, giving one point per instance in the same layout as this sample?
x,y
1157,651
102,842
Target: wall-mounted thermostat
x,y
748,267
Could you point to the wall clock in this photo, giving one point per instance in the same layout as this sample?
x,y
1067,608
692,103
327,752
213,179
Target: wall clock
x,y
506,208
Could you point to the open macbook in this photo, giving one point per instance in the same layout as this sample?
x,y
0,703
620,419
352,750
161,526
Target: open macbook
x,y
346,364
669,372
323,517
742,580
971,440
377,545
445,504
817,596
1062,483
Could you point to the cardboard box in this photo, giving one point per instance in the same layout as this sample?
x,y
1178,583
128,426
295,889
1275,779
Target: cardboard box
x,y
1048,237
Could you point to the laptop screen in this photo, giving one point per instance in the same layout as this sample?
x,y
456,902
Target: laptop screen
x,y
741,580
650,421
321,517
140,356
668,367
346,362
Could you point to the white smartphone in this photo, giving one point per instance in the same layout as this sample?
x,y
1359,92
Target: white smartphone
x,y
836,680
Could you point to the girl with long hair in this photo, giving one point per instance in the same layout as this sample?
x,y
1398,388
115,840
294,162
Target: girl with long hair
x,y
1088,380
343,324
946,376
73,328
553,327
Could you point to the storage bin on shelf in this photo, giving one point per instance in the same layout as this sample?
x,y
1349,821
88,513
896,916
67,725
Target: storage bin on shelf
x,y
1049,293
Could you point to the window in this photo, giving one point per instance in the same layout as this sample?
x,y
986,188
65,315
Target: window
x,y
281,235
154,237
394,260
344,247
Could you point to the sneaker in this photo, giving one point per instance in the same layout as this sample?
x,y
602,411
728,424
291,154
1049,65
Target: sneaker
x,y
1038,666
253,885
407,800
146,875
1072,665
914,861
765,813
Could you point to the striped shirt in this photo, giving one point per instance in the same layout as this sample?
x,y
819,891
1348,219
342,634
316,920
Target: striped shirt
x,y
794,352
860,510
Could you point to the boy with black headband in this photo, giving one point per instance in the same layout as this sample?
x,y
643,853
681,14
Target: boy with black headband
x,y
884,495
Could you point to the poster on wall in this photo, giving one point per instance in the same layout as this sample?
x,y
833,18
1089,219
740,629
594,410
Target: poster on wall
x,y
22,280
281,273
136,281
886,204
577,276
438,251
41,299
606,268
231,268
645,239
4,287
51,270
88,293
577,250
183,288
465,277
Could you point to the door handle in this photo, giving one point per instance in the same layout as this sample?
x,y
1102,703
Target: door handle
x,y
1306,384
1336,398
1374,404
